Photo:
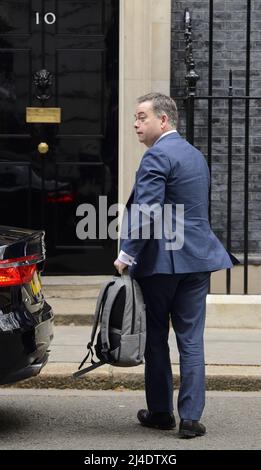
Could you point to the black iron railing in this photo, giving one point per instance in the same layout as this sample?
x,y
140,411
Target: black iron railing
x,y
191,79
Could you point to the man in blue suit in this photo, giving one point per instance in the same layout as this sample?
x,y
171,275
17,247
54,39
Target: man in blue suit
x,y
170,197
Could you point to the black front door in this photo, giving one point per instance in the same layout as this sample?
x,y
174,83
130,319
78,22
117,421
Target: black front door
x,y
60,54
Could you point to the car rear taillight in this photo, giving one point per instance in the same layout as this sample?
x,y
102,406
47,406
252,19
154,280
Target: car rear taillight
x,y
16,271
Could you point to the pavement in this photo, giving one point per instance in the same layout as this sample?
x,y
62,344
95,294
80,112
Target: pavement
x,y
233,362
232,341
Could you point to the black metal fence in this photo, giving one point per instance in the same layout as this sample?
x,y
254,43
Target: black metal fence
x,y
229,102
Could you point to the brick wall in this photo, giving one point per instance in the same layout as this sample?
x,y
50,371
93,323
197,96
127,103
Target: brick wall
x,y
229,52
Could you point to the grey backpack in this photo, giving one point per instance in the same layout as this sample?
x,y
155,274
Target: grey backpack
x,y
121,319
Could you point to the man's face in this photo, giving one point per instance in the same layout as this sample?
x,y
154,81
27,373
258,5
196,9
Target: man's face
x,y
148,126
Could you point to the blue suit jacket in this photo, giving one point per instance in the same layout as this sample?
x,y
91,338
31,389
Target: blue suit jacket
x,y
173,172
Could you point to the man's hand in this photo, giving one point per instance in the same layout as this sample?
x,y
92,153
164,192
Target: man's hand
x,y
120,266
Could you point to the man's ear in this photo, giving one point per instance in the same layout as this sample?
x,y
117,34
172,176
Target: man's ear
x,y
164,120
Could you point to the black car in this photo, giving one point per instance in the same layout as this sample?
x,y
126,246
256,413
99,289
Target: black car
x,y
26,319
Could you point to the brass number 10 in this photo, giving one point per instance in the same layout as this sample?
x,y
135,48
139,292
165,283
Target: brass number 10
x,y
49,17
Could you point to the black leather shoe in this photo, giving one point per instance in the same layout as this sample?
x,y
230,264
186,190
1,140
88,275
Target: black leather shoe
x,y
159,420
189,428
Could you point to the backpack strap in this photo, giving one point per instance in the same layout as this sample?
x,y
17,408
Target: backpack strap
x,y
87,369
130,298
128,281
106,315
99,305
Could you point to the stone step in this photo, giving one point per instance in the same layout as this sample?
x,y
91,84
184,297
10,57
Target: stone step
x,y
73,311
73,299
222,311
233,311
72,287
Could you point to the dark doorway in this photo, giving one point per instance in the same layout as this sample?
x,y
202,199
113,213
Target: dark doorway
x,y
76,43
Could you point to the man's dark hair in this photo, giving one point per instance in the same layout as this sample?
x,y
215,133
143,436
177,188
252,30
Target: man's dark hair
x,y
162,104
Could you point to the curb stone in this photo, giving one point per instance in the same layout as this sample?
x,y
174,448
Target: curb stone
x,y
132,382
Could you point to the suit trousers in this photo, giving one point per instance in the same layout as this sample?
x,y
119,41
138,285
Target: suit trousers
x,y
181,298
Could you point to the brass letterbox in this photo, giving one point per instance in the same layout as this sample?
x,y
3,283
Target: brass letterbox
x,y
43,115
